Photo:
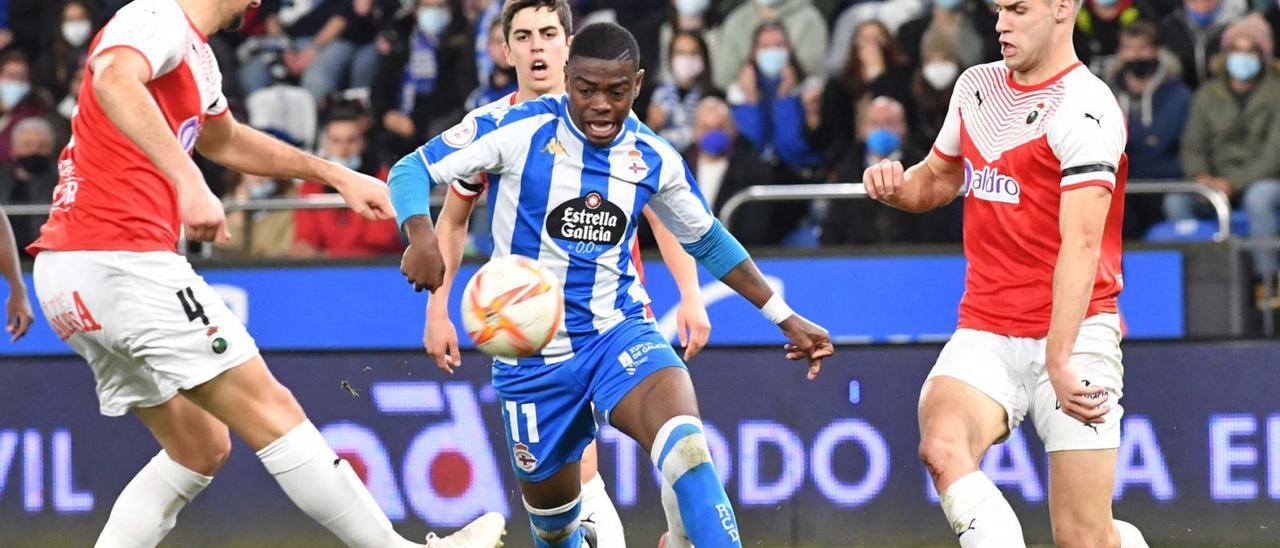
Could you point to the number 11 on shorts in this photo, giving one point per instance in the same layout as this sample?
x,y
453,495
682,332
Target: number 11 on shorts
x,y
531,420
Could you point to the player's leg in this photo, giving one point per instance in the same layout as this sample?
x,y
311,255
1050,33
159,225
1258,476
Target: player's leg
x,y
555,510
194,445
597,507
961,415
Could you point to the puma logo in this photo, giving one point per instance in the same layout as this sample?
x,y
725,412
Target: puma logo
x,y
1097,119
970,527
977,94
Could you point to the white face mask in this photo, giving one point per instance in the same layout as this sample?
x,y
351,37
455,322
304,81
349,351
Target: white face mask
x,y
692,8
686,67
940,74
76,32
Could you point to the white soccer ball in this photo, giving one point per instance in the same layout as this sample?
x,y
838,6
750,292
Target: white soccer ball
x,y
512,307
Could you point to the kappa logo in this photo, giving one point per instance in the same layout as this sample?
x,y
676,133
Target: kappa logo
x,y
554,147
524,459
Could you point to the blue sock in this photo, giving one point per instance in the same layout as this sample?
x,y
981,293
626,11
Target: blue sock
x,y
557,527
680,452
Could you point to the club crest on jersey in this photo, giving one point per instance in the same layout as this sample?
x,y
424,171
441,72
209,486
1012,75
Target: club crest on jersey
x,y
635,163
524,459
588,224
988,184
460,135
188,132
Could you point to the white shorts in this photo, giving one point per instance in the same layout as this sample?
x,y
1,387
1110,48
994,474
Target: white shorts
x,y
1011,370
148,325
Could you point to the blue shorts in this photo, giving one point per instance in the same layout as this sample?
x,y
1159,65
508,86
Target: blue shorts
x,y
549,418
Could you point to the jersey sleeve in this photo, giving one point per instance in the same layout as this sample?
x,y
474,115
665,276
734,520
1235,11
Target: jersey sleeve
x,y
679,204
947,144
1088,137
146,29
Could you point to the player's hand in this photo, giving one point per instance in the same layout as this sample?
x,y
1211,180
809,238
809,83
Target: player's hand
x,y
809,341
203,216
692,326
18,316
423,265
883,180
440,339
365,195
1076,398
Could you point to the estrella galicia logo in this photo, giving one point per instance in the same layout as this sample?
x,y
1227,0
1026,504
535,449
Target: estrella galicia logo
x,y
587,224
188,132
988,184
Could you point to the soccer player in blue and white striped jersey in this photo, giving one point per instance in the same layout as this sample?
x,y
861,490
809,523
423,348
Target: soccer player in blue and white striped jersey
x,y
575,172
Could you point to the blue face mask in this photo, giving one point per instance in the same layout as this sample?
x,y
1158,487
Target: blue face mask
x,y
715,143
350,162
882,142
12,92
949,5
772,60
264,189
1204,18
431,21
1106,3
1243,66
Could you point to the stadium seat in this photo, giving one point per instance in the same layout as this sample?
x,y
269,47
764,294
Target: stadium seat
x,y
288,109
1195,230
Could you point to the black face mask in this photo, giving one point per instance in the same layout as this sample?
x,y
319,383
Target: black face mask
x,y
1142,68
33,163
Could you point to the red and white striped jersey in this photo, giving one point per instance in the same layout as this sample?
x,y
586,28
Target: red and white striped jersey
x,y
1022,147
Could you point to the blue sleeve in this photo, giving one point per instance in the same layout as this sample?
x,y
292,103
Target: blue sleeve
x,y
717,251
750,121
411,186
788,134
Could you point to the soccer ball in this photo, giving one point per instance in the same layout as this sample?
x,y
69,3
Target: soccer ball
x,y
512,307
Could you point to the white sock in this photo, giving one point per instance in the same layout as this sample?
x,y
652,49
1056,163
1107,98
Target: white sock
x,y
598,508
979,515
326,488
147,508
1130,536
676,537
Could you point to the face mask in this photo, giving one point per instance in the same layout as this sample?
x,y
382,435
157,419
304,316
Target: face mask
x,y
1243,66
263,189
883,142
1142,68
12,91
772,60
940,74
949,5
714,143
67,108
76,32
686,67
769,2
1106,3
349,162
433,20
33,163
1204,18
691,8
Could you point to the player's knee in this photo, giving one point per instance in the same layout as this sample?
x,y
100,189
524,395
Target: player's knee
x,y
555,525
680,447
1080,533
204,456
941,453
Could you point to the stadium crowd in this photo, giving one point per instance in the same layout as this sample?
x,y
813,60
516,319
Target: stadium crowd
x,y
755,92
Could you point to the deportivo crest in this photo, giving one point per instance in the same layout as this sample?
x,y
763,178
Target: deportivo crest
x,y
525,460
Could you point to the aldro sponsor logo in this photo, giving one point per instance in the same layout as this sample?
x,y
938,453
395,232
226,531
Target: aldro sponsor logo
x,y
988,184
587,224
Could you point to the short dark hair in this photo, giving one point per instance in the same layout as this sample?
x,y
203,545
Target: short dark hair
x,y
1145,30
559,7
604,40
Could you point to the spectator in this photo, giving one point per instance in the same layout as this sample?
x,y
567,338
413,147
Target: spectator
x,y
27,25
1194,31
965,23
311,32
31,177
673,103
1272,15
874,67
798,17
724,163
883,134
696,16
1233,135
501,80
364,19
1148,84
1098,26
260,234
932,85
427,72
766,103
56,66
18,100
485,13
342,232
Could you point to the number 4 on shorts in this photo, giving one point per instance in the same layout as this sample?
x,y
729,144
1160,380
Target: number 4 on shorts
x,y
191,306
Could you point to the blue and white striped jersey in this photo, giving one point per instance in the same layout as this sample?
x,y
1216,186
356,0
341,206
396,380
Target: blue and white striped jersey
x,y
571,205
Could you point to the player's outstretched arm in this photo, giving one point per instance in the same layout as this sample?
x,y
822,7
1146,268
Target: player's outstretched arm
x,y
932,183
692,324
18,314
440,336
247,150
120,76
1082,219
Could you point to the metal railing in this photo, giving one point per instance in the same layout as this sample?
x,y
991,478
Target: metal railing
x,y
855,191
